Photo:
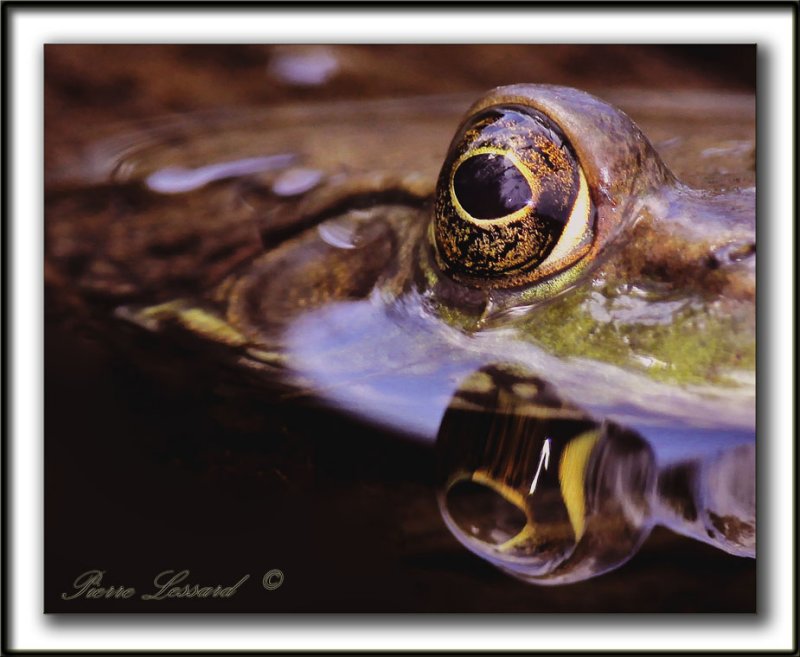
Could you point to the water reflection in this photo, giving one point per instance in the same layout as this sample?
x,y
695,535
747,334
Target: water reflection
x,y
363,358
545,472
551,495
177,180
398,364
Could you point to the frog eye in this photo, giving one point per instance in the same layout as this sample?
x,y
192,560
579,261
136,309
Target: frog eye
x,y
512,201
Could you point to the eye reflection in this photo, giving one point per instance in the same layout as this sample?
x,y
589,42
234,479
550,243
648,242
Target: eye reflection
x,y
482,512
546,493
537,487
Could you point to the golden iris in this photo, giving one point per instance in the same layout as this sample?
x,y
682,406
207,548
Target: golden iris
x,y
512,202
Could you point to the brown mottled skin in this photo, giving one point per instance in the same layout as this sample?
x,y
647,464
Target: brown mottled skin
x,y
180,244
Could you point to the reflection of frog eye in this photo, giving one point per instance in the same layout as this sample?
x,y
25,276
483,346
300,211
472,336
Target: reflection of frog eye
x,y
535,485
512,203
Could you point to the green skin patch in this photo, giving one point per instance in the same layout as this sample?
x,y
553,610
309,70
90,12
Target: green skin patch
x,y
698,347
690,343
197,320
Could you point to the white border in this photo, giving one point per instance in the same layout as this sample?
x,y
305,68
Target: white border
x,y
771,29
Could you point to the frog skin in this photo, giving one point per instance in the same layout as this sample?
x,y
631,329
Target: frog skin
x,y
337,269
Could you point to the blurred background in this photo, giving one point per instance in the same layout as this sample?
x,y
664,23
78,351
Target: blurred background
x,y
89,86
139,480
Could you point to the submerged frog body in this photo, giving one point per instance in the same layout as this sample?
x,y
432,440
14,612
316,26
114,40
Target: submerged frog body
x,y
559,295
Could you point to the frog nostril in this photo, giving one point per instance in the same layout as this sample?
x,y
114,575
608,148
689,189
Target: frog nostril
x,y
483,513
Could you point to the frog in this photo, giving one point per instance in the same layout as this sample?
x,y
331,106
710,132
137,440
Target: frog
x,y
569,323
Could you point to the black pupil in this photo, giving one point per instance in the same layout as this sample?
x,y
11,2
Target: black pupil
x,y
489,186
